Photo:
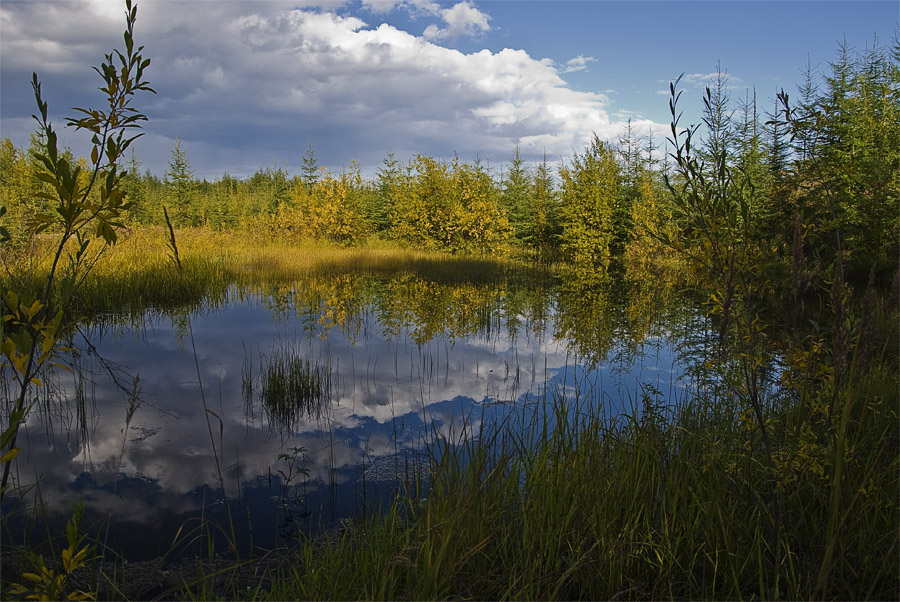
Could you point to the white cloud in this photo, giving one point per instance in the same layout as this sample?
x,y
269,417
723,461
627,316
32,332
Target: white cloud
x,y
579,63
702,79
462,19
243,83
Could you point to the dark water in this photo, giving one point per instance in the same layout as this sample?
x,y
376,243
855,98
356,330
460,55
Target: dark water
x,y
165,422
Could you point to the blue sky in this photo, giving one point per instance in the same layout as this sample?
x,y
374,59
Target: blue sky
x,y
245,84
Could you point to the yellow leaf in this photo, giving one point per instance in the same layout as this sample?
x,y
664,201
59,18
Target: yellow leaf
x,y
10,455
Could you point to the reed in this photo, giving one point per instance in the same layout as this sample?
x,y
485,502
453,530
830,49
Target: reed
x,y
292,387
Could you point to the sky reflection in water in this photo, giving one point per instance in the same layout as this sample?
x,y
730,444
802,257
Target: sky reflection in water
x,y
400,378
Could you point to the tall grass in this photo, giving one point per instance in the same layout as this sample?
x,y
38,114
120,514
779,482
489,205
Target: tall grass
x,y
290,387
137,273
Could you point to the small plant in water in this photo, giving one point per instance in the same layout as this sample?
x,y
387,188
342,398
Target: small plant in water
x,y
291,387
290,503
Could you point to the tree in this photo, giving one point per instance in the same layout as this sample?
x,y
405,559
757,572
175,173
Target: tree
x,y
847,159
651,222
18,188
546,225
590,187
134,190
634,166
754,178
450,207
309,170
422,216
181,185
477,222
331,210
515,199
387,188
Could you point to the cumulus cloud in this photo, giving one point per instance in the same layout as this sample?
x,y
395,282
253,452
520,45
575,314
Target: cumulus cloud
x,y
462,19
245,83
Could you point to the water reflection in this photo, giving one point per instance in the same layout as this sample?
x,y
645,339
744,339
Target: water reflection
x,y
383,366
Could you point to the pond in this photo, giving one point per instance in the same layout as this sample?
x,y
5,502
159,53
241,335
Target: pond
x,y
297,406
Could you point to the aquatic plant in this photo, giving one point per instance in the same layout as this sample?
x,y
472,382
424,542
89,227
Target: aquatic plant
x,y
293,387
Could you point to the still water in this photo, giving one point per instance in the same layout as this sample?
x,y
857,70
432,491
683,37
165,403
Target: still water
x,y
167,418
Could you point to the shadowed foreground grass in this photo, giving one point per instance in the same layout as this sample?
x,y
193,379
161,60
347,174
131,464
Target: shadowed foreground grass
x,y
645,507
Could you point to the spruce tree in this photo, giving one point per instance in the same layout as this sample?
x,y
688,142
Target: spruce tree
x,y
180,182
515,199
387,187
309,170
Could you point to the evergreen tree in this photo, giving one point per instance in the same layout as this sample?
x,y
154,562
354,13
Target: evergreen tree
x,y
717,118
546,225
387,188
180,183
515,199
309,170
133,187
633,167
754,174
777,143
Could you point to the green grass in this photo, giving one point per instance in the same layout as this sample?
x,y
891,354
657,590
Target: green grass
x,y
291,387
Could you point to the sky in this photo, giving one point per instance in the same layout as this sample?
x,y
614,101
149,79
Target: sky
x,y
250,84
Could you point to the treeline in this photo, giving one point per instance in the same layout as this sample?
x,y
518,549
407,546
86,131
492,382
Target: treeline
x,y
800,175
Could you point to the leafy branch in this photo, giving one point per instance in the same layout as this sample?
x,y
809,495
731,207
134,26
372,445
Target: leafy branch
x,y
85,205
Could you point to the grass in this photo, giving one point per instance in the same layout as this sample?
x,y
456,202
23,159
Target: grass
x,y
291,387
138,272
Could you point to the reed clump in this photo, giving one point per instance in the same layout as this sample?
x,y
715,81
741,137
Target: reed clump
x,y
292,387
